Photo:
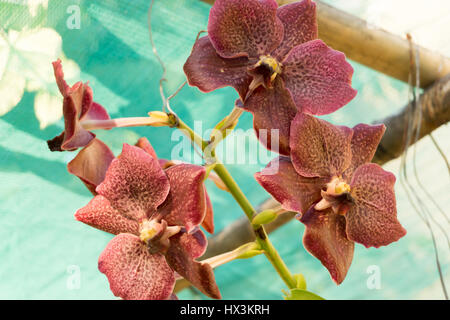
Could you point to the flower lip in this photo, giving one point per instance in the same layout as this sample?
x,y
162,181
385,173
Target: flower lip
x,y
264,72
335,195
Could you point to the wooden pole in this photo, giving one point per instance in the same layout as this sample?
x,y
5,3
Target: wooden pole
x,y
374,47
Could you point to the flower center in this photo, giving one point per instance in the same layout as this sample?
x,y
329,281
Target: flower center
x,y
264,72
269,66
149,229
335,196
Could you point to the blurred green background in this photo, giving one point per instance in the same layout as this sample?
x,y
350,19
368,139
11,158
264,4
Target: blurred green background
x,y
46,254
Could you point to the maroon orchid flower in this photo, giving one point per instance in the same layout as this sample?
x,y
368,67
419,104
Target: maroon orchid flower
x,y
272,57
78,106
343,197
155,214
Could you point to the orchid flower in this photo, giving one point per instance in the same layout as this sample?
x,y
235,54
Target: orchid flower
x,y
78,106
273,59
155,214
342,197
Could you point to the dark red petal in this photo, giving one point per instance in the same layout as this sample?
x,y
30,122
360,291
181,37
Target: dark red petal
x,y
144,144
325,239
135,184
134,273
99,213
365,141
208,221
75,135
318,77
372,219
185,205
294,192
300,25
272,109
208,71
244,27
184,248
91,163
319,148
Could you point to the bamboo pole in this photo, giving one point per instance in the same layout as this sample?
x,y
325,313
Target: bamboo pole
x,y
374,47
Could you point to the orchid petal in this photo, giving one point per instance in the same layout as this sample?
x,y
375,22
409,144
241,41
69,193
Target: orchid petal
x,y
144,144
372,219
319,148
272,109
96,112
99,213
185,205
134,273
325,239
365,141
208,221
319,78
244,27
135,184
184,248
208,71
300,25
91,163
294,192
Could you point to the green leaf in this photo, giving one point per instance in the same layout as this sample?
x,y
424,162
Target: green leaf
x,y
300,294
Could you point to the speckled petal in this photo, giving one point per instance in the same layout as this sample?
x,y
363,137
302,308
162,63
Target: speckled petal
x,y
99,213
135,184
208,71
134,273
272,109
319,148
318,77
372,219
294,192
365,141
91,163
144,144
184,248
186,204
244,27
325,239
208,221
300,25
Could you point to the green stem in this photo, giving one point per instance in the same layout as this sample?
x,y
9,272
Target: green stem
x,y
260,233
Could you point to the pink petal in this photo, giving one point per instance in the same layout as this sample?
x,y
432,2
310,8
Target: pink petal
x,y
319,78
96,112
365,141
208,71
59,76
184,248
134,273
244,27
186,204
300,25
272,109
145,145
372,219
325,239
91,163
319,148
294,192
99,213
135,184
208,221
